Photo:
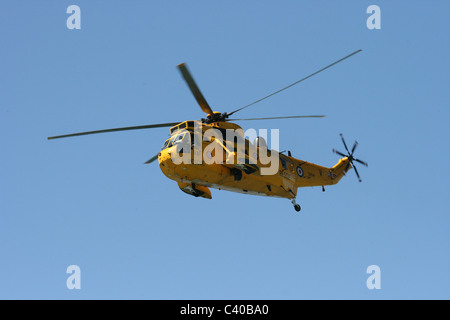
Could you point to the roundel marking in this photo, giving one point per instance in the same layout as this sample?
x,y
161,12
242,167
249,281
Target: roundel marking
x,y
300,171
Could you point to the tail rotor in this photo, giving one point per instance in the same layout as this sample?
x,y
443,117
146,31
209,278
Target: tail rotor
x,y
350,157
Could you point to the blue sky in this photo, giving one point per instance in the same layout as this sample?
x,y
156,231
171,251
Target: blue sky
x,y
90,201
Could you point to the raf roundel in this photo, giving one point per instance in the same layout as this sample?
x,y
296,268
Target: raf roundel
x,y
300,171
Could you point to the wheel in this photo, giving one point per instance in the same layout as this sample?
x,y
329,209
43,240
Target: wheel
x,y
297,207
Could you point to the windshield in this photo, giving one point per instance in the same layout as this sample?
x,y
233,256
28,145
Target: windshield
x,y
173,141
165,144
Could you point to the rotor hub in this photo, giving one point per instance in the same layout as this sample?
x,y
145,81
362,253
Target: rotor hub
x,y
215,117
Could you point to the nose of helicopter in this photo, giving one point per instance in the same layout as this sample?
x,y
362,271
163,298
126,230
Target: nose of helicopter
x,y
165,162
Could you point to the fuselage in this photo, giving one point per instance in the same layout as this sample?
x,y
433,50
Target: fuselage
x,y
245,176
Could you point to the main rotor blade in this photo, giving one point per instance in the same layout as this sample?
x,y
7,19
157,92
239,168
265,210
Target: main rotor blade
x,y
293,84
150,126
274,118
194,89
151,159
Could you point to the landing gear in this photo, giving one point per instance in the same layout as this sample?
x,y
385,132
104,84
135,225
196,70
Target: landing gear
x,y
296,205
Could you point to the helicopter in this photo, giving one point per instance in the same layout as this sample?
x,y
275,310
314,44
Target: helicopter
x,y
214,152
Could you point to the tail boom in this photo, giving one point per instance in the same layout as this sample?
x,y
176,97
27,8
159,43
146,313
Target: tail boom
x,y
312,175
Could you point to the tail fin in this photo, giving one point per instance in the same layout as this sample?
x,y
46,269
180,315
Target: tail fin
x,y
339,169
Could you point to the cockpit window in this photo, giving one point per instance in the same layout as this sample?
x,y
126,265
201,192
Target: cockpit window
x,y
165,144
173,141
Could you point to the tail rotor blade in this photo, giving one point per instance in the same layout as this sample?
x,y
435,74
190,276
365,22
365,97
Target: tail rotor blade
x,y
347,166
339,153
357,174
354,146
343,141
362,162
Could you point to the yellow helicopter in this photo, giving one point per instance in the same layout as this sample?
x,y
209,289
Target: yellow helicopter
x,y
215,153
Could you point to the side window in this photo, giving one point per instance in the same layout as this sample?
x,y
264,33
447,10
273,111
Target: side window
x,y
283,163
179,141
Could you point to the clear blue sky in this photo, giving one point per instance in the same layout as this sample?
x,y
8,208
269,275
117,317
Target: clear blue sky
x,y
90,201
